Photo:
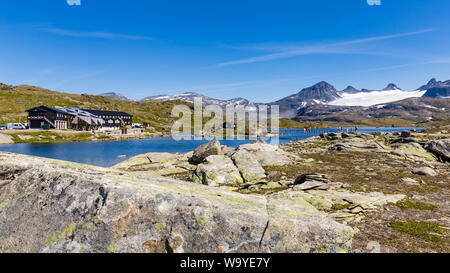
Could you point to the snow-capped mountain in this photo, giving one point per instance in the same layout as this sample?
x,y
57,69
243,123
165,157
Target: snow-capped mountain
x,y
114,96
320,93
391,87
324,93
437,89
434,83
190,96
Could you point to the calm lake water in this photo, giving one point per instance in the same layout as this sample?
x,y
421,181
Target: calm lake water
x,y
106,153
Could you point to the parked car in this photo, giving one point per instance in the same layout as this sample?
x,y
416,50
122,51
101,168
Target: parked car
x,y
138,126
16,126
2,127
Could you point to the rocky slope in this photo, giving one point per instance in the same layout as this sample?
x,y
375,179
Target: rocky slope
x,y
114,96
54,206
412,109
320,93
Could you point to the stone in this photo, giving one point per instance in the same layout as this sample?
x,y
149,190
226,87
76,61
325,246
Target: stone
x,y
425,171
440,148
59,207
405,134
410,181
248,166
267,154
356,146
205,150
311,181
217,170
144,159
413,151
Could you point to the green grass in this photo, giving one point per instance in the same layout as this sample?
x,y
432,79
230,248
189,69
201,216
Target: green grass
x,y
427,231
49,137
413,204
15,100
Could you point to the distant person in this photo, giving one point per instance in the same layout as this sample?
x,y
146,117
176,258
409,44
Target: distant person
x,y
356,129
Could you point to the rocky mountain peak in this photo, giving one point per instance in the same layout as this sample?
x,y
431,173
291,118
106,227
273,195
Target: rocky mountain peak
x,y
391,86
350,89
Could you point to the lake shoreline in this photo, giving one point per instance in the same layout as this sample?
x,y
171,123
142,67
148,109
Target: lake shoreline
x,y
106,153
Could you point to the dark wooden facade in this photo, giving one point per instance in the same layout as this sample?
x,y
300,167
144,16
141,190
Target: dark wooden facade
x,y
43,116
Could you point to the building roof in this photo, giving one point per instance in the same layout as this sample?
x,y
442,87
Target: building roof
x,y
107,113
62,111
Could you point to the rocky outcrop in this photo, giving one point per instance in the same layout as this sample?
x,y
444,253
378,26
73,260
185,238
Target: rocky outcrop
x,y
248,166
425,171
205,150
266,154
311,181
440,148
217,170
157,163
56,206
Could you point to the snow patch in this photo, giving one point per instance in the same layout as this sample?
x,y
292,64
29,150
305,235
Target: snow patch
x,y
375,97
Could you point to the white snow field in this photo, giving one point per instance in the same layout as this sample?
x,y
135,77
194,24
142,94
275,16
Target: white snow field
x,y
375,97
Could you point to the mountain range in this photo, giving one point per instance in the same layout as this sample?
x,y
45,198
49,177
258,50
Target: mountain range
x,y
324,93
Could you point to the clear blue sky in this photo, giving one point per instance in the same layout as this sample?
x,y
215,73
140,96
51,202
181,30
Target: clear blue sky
x,y
256,49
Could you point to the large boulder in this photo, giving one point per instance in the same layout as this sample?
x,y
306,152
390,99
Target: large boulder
x,y
157,163
359,146
217,170
55,206
440,148
412,150
248,166
311,181
205,150
266,154
425,171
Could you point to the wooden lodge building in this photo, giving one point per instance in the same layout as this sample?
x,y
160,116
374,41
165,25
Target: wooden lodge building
x,y
76,119
112,118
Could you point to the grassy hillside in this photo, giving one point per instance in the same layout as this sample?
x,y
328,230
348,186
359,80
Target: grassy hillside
x,y
15,100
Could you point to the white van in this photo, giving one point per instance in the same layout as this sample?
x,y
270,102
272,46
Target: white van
x,y
15,126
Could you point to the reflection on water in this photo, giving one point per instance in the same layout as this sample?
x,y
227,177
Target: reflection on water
x,y
107,153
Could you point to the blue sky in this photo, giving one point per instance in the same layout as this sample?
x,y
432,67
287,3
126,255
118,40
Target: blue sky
x,y
256,49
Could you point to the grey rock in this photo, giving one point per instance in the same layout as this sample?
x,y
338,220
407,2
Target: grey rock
x,y
205,150
217,170
425,171
56,206
405,134
267,154
248,166
440,148
311,181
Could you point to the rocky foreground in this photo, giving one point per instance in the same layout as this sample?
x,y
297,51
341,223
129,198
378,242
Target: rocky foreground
x,y
333,193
